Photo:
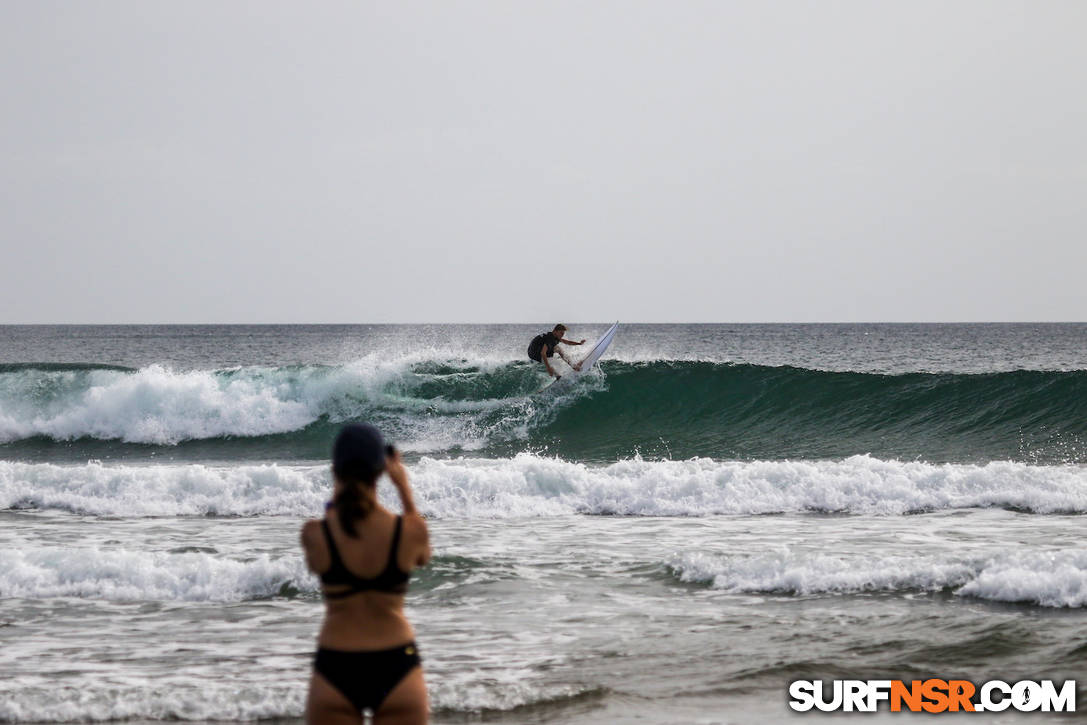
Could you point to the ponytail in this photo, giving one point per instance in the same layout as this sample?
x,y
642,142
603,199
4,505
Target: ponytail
x,y
350,504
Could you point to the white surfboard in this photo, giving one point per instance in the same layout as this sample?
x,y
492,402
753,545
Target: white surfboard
x,y
589,360
598,349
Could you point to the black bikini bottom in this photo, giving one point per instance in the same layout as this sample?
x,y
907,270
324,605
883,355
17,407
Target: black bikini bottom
x,y
366,678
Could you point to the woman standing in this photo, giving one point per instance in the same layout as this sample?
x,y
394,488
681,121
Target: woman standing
x,y
366,656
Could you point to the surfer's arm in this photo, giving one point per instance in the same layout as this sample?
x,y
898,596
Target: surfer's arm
x,y
571,342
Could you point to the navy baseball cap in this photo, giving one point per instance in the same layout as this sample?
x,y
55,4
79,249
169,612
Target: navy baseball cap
x,y
359,450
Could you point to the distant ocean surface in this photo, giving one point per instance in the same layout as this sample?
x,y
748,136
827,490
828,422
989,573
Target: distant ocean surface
x,y
713,512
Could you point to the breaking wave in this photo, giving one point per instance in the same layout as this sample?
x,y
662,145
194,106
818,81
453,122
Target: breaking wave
x,y
531,485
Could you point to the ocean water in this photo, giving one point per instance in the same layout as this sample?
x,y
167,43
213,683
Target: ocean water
x,y
713,512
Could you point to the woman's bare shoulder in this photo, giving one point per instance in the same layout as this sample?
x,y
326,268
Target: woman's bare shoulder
x,y
415,525
418,538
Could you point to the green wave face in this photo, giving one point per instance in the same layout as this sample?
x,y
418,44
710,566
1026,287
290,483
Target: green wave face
x,y
453,407
688,409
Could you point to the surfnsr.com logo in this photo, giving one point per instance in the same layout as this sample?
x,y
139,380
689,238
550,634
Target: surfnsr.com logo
x,y
932,695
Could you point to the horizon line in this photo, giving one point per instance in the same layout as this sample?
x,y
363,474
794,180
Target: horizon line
x,y
536,322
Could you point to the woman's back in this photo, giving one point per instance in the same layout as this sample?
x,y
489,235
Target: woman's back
x,y
364,578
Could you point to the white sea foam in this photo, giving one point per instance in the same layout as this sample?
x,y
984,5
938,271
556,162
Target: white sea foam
x,y
193,490
1056,578
152,405
495,688
1047,578
784,571
126,575
161,700
208,700
1052,579
159,405
530,485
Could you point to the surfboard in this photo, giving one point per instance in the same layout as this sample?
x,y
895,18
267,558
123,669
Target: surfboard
x,y
598,349
588,361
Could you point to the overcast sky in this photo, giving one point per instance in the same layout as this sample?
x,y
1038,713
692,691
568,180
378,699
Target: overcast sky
x,y
531,161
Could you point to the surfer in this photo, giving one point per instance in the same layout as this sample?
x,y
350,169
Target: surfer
x,y
366,655
546,344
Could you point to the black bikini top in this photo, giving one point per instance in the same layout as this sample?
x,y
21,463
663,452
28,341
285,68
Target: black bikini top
x,y
391,579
